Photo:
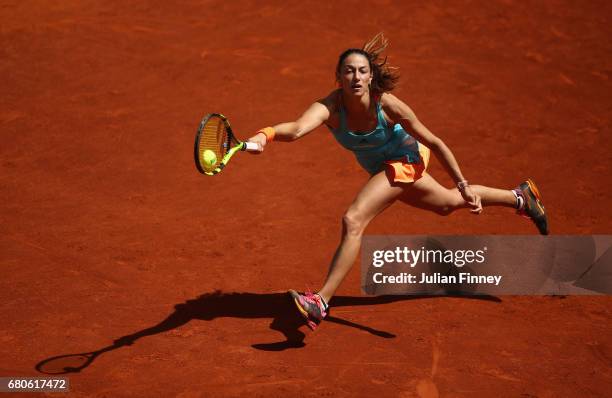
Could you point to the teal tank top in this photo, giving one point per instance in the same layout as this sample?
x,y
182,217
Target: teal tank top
x,y
381,144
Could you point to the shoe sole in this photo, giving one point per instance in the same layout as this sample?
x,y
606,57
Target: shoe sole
x,y
302,311
534,189
536,192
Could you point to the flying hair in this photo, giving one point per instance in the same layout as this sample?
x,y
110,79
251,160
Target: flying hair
x,y
384,76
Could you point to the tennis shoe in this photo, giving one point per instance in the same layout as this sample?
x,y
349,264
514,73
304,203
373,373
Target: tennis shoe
x,y
310,306
532,207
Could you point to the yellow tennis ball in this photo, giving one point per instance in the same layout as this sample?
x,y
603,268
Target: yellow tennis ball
x,y
209,157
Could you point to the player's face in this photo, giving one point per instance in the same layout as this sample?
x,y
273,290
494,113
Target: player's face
x,y
355,75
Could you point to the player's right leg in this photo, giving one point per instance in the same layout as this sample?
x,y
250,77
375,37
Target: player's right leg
x,y
377,194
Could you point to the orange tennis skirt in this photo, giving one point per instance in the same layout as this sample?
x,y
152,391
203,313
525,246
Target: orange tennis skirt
x,y
402,171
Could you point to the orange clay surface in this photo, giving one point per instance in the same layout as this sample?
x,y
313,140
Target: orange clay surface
x,y
111,242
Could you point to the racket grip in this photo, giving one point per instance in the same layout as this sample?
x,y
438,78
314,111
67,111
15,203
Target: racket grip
x,y
251,147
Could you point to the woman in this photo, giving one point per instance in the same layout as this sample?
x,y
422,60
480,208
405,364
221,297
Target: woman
x,y
366,119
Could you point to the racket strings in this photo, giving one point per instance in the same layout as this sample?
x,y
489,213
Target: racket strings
x,y
214,138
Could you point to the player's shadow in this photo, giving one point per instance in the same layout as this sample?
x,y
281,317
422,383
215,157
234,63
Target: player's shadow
x,y
277,306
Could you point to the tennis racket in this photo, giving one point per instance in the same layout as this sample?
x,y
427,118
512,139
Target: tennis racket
x,y
215,144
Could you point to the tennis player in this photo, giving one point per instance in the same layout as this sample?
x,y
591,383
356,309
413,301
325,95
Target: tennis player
x,y
394,147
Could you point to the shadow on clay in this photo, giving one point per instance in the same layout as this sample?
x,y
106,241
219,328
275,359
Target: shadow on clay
x,y
209,306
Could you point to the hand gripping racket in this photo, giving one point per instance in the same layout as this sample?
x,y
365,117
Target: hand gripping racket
x,y
215,144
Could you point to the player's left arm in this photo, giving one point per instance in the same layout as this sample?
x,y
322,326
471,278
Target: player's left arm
x,y
400,113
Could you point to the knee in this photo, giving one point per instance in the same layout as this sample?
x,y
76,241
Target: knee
x,y
353,222
453,203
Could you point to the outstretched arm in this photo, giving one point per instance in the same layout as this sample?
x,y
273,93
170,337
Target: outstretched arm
x,y
401,113
312,118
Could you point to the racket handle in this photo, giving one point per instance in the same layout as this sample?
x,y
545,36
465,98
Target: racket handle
x,y
251,147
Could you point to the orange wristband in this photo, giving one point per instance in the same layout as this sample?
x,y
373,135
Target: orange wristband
x,y
269,133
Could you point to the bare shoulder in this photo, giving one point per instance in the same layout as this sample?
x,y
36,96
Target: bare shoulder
x,y
332,103
395,108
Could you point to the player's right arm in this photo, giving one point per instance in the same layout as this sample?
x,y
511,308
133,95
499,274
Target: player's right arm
x,y
316,114
313,117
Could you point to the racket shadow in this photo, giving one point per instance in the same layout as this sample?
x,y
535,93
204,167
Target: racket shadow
x,y
209,306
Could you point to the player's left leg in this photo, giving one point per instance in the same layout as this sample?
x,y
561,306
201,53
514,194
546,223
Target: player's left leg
x,y
426,193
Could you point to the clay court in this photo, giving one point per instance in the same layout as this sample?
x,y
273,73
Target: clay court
x,y
111,243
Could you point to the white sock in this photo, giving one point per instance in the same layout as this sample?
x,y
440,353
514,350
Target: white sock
x,y
325,306
520,202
